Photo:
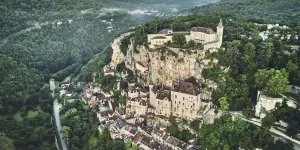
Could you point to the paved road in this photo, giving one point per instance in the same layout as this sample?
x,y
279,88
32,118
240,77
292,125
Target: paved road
x,y
56,107
273,130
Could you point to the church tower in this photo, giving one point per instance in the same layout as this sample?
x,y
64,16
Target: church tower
x,y
220,29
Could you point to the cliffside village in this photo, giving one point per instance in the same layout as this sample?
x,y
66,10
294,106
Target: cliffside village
x,y
144,116
164,88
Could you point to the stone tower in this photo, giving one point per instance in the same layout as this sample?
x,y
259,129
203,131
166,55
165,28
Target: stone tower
x,y
220,29
52,84
152,96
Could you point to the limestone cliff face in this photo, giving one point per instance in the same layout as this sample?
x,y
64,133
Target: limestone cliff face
x,y
164,68
117,56
161,66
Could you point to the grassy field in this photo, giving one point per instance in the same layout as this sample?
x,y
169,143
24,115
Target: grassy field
x,y
34,113
6,143
18,117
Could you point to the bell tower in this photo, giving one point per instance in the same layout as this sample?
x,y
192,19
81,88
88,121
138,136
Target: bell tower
x,y
220,29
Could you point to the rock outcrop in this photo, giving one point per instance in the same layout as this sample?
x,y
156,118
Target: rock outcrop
x,y
158,65
117,56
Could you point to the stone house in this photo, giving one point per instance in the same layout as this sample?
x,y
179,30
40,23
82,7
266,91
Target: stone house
x,y
136,106
120,111
266,104
108,70
104,115
132,92
163,103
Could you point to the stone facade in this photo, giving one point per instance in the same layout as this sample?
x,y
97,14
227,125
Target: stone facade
x,y
136,106
205,36
52,84
108,70
266,104
185,100
162,103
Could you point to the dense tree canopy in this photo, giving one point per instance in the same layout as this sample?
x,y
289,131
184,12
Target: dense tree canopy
x,y
179,39
228,133
272,82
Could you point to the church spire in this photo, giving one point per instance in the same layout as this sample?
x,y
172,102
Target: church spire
x,y
220,24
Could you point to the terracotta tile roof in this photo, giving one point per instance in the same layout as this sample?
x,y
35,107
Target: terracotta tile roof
x,y
145,89
163,95
165,31
133,131
176,142
148,130
105,113
109,71
165,137
114,118
203,30
158,132
143,103
164,147
180,32
159,37
120,110
146,140
155,146
188,86
94,102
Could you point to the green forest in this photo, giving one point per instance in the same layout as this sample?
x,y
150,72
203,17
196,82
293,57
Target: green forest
x,y
40,40
80,129
283,11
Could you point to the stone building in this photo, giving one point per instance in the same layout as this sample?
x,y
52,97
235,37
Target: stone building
x,y
108,70
205,36
266,104
136,106
163,103
186,99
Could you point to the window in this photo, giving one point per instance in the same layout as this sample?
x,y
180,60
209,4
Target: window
x,y
183,98
175,97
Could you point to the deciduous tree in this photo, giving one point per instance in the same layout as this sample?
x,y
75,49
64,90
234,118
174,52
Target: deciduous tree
x,y
179,40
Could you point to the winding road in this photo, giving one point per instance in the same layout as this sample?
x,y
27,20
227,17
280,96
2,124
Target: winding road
x,y
56,107
272,129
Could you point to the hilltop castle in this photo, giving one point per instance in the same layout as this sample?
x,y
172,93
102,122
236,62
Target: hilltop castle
x,y
206,36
